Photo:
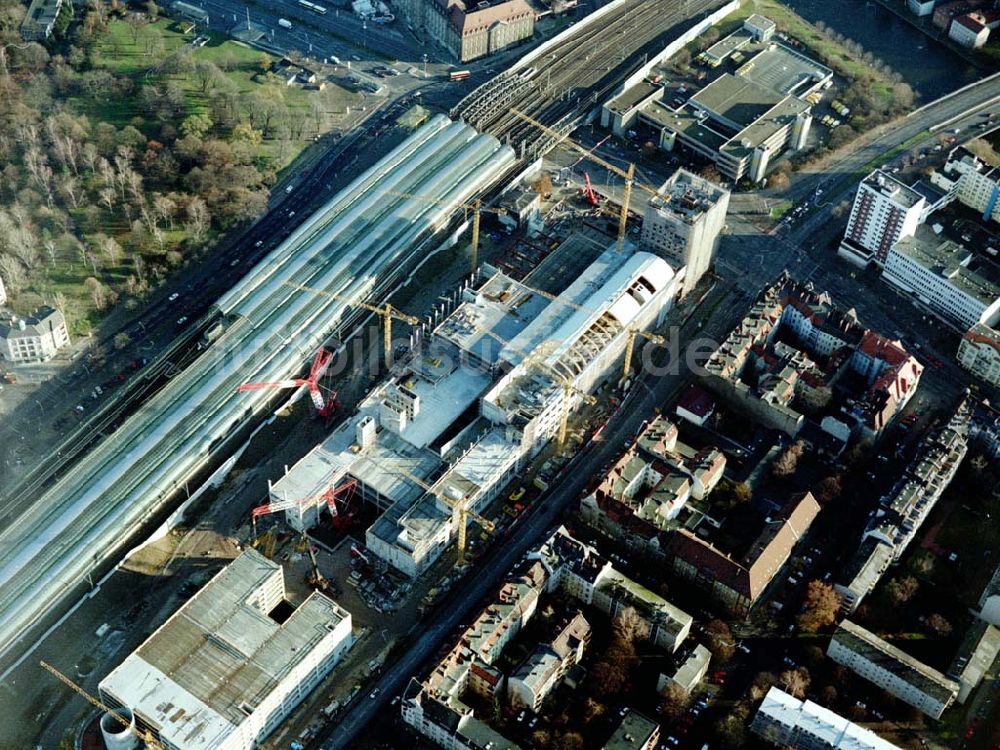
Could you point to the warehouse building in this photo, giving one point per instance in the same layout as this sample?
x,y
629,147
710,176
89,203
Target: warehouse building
x,y
232,663
742,122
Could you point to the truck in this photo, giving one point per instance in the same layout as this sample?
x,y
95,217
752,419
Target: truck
x,y
284,23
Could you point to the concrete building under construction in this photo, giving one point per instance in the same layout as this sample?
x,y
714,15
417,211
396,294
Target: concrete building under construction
x,y
455,421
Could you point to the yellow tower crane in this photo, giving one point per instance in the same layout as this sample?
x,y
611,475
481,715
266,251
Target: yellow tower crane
x,y
388,313
476,207
145,737
535,360
461,508
628,175
630,347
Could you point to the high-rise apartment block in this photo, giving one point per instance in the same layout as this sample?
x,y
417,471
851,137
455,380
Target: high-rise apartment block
x,y
684,223
884,212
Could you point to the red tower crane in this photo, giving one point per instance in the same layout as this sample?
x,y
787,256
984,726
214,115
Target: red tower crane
x,y
589,194
324,408
341,516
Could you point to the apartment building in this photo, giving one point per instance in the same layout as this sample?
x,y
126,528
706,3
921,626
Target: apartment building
x,y
896,672
546,666
979,353
684,224
561,564
739,583
906,506
36,338
945,277
972,182
975,658
634,732
884,212
787,721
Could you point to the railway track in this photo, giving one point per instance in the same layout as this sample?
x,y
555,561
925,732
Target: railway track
x,y
571,78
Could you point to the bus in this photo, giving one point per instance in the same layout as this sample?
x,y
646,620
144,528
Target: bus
x,y
313,7
458,75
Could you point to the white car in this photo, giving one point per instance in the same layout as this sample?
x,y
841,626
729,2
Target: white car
x,y
173,297
182,320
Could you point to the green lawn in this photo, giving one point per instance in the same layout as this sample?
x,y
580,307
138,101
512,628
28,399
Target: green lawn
x,y
831,53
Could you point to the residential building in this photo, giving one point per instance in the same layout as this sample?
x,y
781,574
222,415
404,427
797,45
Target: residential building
x,y
921,8
795,343
907,505
885,211
36,338
972,182
944,12
975,657
973,29
945,277
989,601
470,30
690,673
651,483
40,20
739,584
979,353
227,667
562,564
884,665
634,732
683,223
787,721
695,405
546,666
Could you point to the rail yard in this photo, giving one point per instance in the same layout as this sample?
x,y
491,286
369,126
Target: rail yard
x,y
359,245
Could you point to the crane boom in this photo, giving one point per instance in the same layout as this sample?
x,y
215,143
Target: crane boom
x,y
146,737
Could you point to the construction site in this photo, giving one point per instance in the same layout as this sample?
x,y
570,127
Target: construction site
x,y
491,383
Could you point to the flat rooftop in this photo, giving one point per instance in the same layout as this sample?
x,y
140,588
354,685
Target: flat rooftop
x,y
783,70
736,99
887,185
888,657
952,262
637,94
500,309
635,730
685,122
779,116
728,45
689,195
219,655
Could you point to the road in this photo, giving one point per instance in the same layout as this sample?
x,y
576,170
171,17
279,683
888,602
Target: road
x,y
753,258
648,393
358,246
